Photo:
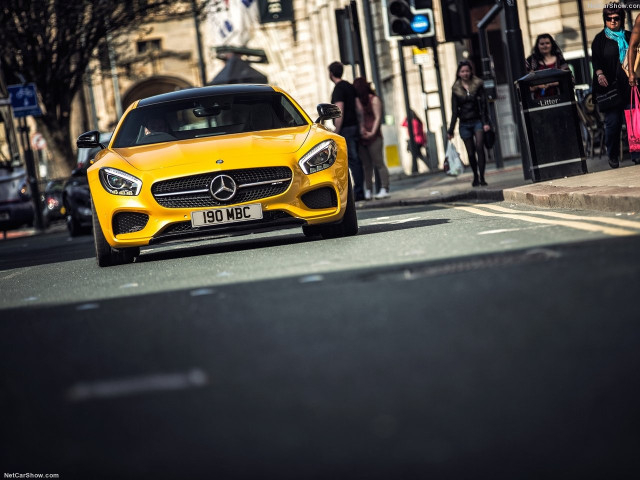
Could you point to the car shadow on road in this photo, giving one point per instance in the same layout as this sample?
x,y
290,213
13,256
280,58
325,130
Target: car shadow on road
x,y
288,237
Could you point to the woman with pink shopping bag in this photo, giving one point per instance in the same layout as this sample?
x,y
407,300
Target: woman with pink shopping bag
x,y
633,121
610,83
633,114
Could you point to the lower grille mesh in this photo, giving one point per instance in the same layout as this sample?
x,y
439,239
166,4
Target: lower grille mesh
x,y
321,198
129,222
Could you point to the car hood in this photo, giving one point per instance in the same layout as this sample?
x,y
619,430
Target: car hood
x,y
231,148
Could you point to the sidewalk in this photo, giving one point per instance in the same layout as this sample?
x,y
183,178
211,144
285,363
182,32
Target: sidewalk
x,y
602,189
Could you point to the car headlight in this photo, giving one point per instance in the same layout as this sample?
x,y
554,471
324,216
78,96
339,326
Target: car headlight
x,y
320,157
118,182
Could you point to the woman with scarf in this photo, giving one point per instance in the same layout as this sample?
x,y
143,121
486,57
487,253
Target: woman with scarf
x,y
608,52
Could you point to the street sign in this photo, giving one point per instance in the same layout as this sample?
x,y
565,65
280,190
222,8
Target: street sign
x,y
24,100
38,142
422,56
275,10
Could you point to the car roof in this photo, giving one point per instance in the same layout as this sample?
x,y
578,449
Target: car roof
x,y
205,92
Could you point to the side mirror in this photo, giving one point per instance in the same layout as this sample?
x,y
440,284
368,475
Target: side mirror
x,y
328,111
89,140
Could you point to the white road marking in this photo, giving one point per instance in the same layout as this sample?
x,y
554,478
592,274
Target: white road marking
x,y
201,291
578,225
618,222
129,285
11,275
88,306
501,230
134,385
404,220
393,222
504,230
311,279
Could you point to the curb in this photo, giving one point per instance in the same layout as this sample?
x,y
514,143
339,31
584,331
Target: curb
x,y
608,199
492,195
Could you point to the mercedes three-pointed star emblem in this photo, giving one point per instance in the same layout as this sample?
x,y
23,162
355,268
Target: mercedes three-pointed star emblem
x,y
223,188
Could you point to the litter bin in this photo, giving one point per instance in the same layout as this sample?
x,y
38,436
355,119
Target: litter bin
x,y
551,124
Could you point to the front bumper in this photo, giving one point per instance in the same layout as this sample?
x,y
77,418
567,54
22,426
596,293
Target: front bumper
x,y
129,221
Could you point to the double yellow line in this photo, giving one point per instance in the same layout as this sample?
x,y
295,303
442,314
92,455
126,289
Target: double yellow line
x,y
612,226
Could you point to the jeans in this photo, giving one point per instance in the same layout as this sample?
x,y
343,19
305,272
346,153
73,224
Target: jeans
x,y
612,128
352,134
372,156
468,129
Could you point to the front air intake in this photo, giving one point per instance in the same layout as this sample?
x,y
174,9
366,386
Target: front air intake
x,y
129,222
321,198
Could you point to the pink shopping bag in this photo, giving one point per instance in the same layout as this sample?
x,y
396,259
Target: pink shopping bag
x,y
633,121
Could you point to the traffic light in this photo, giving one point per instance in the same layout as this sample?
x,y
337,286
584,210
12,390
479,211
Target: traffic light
x,y
408,19
456,20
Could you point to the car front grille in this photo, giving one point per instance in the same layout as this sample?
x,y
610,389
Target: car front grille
x,y
129,222
194,191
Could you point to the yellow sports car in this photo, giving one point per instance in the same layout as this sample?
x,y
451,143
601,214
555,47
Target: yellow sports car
x,y
204,161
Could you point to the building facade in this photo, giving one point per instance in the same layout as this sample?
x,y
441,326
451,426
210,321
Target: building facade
x,y
164,56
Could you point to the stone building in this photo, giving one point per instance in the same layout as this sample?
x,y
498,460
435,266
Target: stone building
x,y
163,56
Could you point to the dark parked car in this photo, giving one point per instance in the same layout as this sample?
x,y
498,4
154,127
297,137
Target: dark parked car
x,y
77,203
76,196
16,206
52,204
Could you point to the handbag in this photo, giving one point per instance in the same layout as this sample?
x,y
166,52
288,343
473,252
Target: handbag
x,y
610,99
452,163
489,138
633,121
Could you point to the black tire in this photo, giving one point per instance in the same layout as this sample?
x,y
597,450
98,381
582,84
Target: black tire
x,y
348,226
107,256
349,222
311,230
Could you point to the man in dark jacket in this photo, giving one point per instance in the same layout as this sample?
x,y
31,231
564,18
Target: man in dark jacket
x,y
344,96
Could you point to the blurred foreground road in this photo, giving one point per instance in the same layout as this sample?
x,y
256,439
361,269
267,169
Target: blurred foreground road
x,y
444,341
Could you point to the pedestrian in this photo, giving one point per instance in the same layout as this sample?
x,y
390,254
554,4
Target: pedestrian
x,y
632,53
370,147
344,96
419,138
469,104
610,84
634,42
546,54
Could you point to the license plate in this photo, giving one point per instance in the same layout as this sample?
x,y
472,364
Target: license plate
x,y
218,216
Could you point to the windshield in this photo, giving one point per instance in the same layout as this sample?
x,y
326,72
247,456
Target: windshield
x,y
207,116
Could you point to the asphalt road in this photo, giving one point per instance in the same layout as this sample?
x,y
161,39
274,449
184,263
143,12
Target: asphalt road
x,y
457,341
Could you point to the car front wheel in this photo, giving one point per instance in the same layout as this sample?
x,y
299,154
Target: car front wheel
x,y
105,254
347,227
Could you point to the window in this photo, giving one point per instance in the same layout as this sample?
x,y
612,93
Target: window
x,y
148,46
206,117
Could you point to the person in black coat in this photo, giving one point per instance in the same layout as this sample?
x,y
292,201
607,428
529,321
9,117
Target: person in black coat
x,y
608,51
469,104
